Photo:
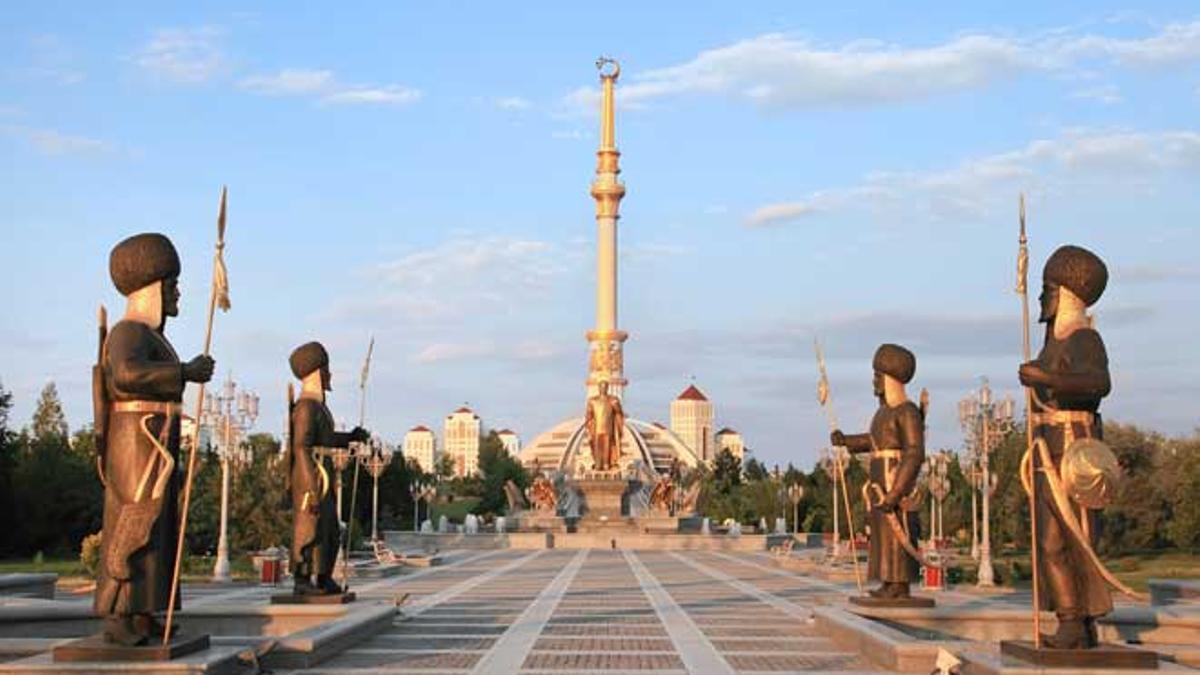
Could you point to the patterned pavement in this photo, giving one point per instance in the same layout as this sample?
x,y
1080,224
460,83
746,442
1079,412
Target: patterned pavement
x,y
600,611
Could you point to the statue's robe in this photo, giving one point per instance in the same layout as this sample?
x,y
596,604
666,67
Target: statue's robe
x,y
896,443
1078,367
315,536
139,365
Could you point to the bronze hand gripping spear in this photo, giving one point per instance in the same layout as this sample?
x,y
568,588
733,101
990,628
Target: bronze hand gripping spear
x,y
827,404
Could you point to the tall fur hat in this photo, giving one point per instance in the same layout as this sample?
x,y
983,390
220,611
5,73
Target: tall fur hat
x,y
1079,270
307,358
142,260
896,361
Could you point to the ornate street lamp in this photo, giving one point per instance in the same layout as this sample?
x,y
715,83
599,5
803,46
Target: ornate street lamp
x,y
971,471
985,422
938,482
375,457
795,494
831,458
228,415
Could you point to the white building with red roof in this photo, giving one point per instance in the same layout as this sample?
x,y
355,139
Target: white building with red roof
x,y
420,445
460,440
511,441
692,422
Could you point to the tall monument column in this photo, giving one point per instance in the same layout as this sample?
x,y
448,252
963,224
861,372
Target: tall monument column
x,y
606,341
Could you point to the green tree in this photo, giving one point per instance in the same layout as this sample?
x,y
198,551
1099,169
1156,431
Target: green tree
x,y
1184,465
8,465
496,467
55,490
755,470
49,421
727,472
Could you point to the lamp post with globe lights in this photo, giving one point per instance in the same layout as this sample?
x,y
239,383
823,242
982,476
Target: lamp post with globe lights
x,y
985,422
375,456
970,471
938,481
795,493
228,415
831,458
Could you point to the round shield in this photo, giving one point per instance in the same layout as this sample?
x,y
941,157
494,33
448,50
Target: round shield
x,y
1090,473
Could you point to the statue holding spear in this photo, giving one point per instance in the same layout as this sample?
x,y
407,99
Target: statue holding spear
x,y
138,385
896,443
1067,470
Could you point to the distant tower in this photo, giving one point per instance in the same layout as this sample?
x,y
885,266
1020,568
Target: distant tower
x,y
421,445
728,439
460,440
606,342
512,442
692,422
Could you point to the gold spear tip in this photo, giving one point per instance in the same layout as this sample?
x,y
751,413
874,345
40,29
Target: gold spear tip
x,y
102,315
221,214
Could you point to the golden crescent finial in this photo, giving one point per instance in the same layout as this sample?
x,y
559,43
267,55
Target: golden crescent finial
x,y
605,60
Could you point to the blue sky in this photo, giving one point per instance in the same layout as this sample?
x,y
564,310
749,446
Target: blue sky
x,y
420,171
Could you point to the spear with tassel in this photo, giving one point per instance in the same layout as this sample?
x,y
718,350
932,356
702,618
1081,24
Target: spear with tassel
x,y
827,403
362,419
1023,291
219,297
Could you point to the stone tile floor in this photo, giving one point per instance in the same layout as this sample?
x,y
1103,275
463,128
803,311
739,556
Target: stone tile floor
x,y
600,611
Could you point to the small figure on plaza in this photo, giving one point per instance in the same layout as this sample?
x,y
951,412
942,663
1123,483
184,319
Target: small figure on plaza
x,y
896,443
315,526
605,424
1068,379
138,388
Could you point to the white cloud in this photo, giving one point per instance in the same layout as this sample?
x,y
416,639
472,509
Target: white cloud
x,y
1107,94
449,351
325,85
513,103
772,214
386,95
288,82
55,143
183,55
569,134
1120,158
778,70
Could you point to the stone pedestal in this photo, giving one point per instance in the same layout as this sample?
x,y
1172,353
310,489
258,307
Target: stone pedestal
x,y
1107,656
96,649
322,599
602,496
911,601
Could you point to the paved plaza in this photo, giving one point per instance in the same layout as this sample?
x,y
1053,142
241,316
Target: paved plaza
x,y
566,611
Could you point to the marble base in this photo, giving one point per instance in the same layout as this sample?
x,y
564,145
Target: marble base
x,y
1107,656
911,601
96,648
328,599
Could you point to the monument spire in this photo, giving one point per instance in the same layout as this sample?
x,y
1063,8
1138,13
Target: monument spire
x,y
605,355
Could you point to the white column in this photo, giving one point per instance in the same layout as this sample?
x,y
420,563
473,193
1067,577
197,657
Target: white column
x,y
987,576
606,274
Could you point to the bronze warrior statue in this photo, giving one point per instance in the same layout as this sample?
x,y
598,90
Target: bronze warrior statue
x,y
138,391
605,423
896,443
316,529
1068,378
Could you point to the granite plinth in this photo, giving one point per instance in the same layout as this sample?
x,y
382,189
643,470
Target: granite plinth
x,y
1107,656
911,601
602,496
323,599
96,648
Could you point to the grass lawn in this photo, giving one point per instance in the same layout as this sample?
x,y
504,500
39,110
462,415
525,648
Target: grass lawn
x,y
1135,570
456,511
197,569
